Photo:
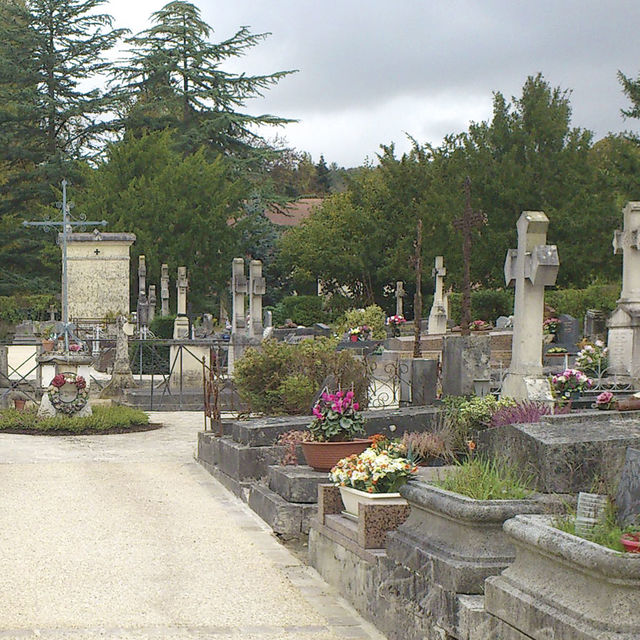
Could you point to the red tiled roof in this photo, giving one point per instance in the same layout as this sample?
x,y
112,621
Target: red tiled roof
x,y
294,213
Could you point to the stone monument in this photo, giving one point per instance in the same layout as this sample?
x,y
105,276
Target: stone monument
x,y
121,376
532,266
624,323
256,291
98,273
438,314
143,304
181,323
152,302
164,290
399,298
238,294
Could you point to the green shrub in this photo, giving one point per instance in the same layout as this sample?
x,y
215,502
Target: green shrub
x,y
373,316
162,326
17,308
486,304
483,479
103,419
278,377
575,302
304,310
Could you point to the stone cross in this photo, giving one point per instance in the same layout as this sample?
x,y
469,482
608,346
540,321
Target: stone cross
x,y
238,292
399,297
532,266
470,219
143,303
438,314
627,242
152,302
257,288
181,323
164,290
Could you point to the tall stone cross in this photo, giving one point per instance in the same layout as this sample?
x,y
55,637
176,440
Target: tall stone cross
x,y
470,220
181,323
164,290
400,294
627,242
257,290
438,313
143,303
238,293
532,266
66,225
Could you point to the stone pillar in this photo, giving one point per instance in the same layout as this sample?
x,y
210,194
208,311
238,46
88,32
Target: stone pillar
x,y
238,293
121,376
399,297
257,289
532,266
438,313
624,324
181,324
4,367
164,290
152,302
143,303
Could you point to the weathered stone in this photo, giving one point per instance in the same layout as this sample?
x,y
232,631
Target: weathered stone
x,y
285,518
465,359
454,540
296,483
561,586
424,381
628,494
565,453
569,333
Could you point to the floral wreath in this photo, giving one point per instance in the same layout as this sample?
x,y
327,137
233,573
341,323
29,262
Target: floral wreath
x,y
80,399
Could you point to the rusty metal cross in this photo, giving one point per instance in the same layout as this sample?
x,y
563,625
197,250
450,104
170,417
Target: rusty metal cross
x,y
470,220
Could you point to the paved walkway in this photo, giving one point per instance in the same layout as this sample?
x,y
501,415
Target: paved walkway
x,y
127,537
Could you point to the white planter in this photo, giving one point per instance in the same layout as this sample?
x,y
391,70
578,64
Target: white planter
x,y
351,498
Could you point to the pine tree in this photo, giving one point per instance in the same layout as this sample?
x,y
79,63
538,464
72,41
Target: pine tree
x,y
173,78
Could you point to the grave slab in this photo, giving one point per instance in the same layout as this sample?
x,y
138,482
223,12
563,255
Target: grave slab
x,y
296,483
628,494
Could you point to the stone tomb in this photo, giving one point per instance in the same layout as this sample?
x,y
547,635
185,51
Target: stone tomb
x,y
628,494
98,273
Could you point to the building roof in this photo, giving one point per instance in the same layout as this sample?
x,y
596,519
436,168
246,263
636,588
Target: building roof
x,y
294,213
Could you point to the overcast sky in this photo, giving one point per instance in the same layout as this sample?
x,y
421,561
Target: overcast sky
x,y
371,71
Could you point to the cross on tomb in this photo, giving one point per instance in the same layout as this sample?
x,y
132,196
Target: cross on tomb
x,y
97,252
469,221
66,225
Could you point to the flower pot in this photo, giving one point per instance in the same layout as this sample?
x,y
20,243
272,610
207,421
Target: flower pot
x,y
47,345
630,542
351,498
322,456
19,403
628,404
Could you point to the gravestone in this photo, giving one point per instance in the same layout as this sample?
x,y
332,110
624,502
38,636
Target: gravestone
x,y
238,293
568,333
438,313
143,303
624,324
181,323
152,302
504,322
628,494
424,381
465,361
257,288
532,266
399,297
164,290
595,325
121,376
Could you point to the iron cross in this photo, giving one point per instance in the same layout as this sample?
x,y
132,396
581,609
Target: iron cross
x,y
470,220
66,224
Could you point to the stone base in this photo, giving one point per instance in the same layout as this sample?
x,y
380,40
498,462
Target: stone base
x,y
522,387
296,483
47,410
287,519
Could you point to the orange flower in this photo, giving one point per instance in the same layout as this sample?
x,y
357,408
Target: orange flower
x,y
471,445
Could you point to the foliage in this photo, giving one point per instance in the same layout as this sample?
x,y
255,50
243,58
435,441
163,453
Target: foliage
x,y
197,197
19,307
382,468
103,419
575,302
303,310
296,391
430,446
483,479
467,415
485,303
336,417
372,317
527,411
259,374
162,326
593,359
290,440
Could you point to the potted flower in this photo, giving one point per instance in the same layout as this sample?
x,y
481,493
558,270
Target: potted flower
x,y
479,325
569,384
605,401
631,542
550,326
373,476
48,339
335,426
593,359
359,333
394,323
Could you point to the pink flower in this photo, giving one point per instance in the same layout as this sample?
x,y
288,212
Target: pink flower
x,y
349,395
58,381
356,406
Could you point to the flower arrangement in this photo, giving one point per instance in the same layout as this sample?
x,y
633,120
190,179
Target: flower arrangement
x,y
605,401
593,358
394,322
360,333
80,399
336,418
556,350
570,380
550,325
382,468
479,325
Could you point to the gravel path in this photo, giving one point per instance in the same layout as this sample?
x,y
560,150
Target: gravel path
x,y
126,536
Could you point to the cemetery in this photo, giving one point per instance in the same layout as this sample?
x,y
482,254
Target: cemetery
x,y
420,376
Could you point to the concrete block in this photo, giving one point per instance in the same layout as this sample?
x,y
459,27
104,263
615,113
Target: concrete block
x,y
296,483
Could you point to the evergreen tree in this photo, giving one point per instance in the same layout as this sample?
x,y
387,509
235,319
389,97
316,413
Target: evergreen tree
x,y
173,78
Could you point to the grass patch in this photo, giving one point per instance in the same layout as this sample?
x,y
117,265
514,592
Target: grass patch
x,y
115,419
483,479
